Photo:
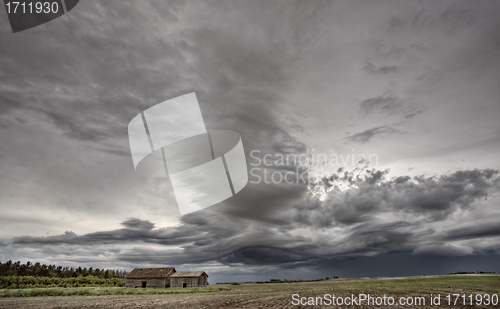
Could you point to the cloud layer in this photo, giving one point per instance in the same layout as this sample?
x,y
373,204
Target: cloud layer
x,y
369,217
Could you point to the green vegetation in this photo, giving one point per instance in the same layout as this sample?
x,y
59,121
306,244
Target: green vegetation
x,y
468,272
25,282
10,268
14,275
88,291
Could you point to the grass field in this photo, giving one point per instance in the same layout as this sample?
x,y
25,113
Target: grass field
x,y
277,295
100,291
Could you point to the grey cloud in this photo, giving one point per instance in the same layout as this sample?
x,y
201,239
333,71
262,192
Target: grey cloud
x,y
433,197
420,47
135,223
372,69
387,103
110,69
473,232
389,106
136,231
262,255
412,115
431,76
393,52
396,23
74,130
367,135
92,98
443,250
381,238
451,19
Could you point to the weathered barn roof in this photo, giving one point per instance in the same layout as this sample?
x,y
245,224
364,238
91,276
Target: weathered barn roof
x,y
142,273
188,274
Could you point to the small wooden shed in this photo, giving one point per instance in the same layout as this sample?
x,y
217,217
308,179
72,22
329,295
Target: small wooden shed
x,y
188,279
149,277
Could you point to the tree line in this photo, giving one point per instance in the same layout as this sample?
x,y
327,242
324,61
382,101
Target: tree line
x,y
10,268
29,282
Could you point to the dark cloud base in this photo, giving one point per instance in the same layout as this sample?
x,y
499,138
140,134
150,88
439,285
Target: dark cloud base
x,y
404,264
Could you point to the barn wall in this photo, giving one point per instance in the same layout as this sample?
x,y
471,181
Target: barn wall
x,y
202,281
177,282
151,283
133,283
156,283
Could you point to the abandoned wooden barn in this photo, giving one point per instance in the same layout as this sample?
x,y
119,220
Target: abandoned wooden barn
x,y
188,279
149,277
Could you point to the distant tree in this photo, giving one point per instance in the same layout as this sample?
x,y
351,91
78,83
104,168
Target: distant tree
x,y
44,270
36,269
17,269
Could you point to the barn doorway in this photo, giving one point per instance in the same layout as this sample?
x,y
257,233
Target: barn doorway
x,y
144,283
184,285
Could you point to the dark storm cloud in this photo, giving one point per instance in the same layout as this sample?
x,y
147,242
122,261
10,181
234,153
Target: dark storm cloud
x,y
263,256
443,249
387,105
136,231
366,136
433,197
135,223
439,195
95,98
110,69
273,238
473,232
102,79
247,82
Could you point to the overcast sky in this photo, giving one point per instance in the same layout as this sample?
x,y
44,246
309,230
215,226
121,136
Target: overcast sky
x,y
414,84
